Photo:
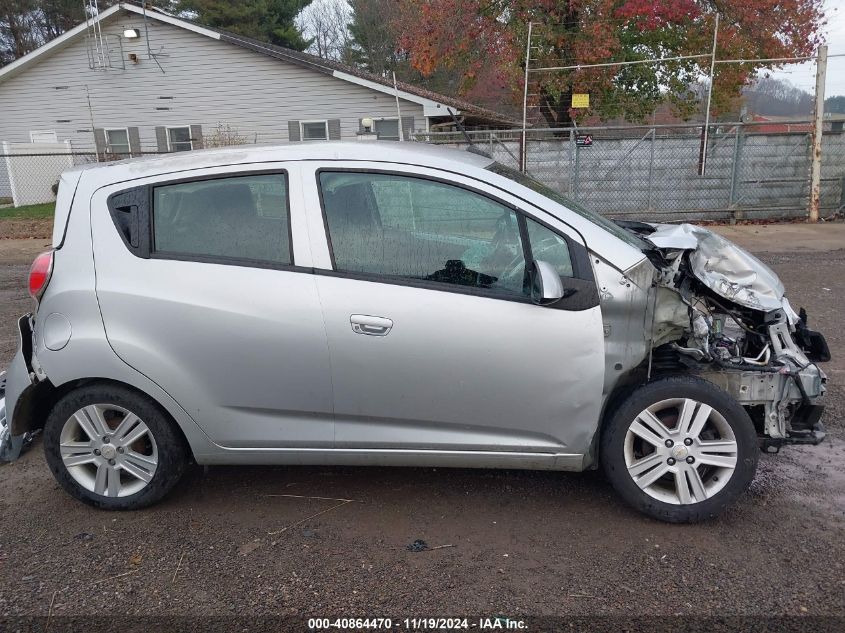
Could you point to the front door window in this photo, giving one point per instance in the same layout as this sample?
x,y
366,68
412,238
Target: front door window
x,y
400,227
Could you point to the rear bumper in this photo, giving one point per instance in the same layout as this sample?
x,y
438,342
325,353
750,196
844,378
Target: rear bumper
x,y
19,383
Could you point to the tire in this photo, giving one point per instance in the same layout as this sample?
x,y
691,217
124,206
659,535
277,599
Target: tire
x,y
704,424
142,460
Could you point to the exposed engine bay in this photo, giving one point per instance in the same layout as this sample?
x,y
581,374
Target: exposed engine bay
x,y
719,312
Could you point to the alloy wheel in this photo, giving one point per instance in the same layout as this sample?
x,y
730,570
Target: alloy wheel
x,y
680,451
108,450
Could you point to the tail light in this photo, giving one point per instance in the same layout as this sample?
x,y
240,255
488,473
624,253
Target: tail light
x,y
39,274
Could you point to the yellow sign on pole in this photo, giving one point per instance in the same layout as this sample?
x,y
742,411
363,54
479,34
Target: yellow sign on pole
x,y
580,100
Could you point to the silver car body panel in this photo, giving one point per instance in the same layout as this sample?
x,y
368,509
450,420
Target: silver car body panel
x,y
625,304
242,348
456,370
87,354
452,379
64,200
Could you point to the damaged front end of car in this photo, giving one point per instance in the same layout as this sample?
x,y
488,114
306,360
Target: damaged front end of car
x,y
719,312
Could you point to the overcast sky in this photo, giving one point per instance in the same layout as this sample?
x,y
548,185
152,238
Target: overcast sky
x,y
804,75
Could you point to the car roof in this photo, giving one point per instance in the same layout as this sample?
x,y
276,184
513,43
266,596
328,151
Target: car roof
x,y
422,154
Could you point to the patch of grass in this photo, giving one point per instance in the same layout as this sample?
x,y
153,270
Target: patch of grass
x,y
30,212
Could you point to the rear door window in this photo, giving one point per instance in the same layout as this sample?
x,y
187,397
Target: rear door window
x,y
237,218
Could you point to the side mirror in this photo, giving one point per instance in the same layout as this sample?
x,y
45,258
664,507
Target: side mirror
x,y
546,286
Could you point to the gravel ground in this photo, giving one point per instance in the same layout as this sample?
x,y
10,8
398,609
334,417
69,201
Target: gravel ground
x,y
535,543
23,228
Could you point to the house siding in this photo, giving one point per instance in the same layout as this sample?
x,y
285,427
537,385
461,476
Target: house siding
x,y
205,82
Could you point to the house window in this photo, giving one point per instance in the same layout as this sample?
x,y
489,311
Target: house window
x,y
179,139
387,129
43,136
117,141
315,130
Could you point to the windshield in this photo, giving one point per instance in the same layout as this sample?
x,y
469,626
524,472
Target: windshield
x,y
575,207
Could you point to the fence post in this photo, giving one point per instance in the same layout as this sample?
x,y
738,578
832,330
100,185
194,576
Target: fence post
x,y
523,149
651,170
577,170
736,214
571,161
816,144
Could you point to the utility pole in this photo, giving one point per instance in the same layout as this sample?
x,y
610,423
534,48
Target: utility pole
x,y
705,132
816,144
523,161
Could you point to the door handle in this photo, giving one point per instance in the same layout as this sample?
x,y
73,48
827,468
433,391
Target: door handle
x,y
370,325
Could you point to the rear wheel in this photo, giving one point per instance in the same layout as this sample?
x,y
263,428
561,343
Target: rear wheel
x,y
680,449
113,448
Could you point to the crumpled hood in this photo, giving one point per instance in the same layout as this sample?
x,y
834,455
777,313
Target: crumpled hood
x,y
727,269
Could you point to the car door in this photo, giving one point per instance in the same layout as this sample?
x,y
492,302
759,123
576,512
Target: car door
x,y
204,284
434,341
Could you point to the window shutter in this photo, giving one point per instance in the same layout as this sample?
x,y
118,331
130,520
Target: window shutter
x,y
334,129
293,131
134,142
196,136
100,142
407,128
161,139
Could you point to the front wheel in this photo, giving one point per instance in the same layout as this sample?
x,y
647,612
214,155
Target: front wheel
x,y
113,448
680,449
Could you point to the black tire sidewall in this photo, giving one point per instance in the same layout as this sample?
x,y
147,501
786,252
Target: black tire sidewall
x,y
171,451
613,440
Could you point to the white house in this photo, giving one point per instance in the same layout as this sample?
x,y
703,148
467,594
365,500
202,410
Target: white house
x,y
136,81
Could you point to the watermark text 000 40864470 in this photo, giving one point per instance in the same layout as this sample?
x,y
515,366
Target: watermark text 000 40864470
x,y
407,623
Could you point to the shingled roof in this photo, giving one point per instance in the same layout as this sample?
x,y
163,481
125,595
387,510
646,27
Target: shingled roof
x,y
329,67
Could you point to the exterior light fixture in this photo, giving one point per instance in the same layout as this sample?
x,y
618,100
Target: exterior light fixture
x,y
367,123
131,34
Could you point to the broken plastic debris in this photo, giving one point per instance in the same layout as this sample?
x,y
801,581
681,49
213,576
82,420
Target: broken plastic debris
x,y
418,546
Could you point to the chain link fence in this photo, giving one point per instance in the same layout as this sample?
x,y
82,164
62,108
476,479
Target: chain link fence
x,y
29,178
29,173
754,170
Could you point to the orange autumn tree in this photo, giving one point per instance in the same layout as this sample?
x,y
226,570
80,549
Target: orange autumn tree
x,y
484,41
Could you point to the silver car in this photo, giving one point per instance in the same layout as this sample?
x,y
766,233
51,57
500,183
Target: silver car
x,y
396,304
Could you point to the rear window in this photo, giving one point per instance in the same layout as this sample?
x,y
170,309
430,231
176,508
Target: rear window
x,y
243,218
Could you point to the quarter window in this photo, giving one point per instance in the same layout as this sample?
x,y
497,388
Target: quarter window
x,y
550,247
179,139
117,141
410,228
315,131
243,218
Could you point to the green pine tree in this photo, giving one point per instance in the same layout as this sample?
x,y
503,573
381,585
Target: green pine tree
x,y
265,20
